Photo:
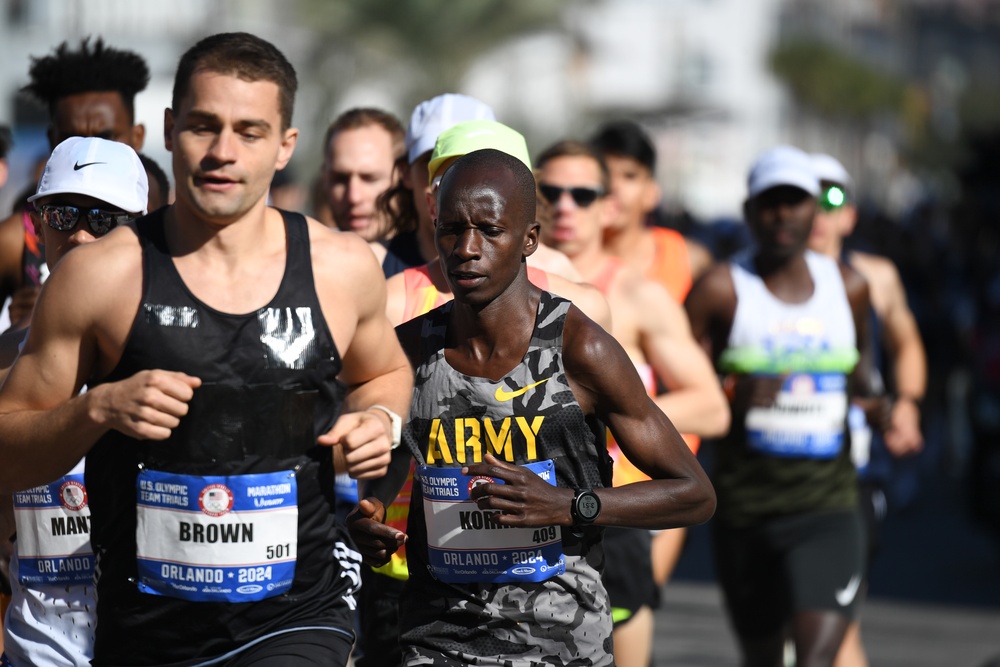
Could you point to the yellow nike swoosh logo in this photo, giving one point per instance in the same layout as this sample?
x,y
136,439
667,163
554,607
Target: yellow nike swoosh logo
x,y
502,395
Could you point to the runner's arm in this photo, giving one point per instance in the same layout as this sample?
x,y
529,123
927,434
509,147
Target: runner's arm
x,y
606,385
695,402
909,365
375,369
395,299
45,426
584,296
711,307
699,258
7,525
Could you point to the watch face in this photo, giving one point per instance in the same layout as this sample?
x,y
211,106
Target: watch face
x,y
588,506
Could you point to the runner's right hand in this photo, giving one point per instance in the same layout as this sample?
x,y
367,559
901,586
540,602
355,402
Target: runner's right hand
x,y
375,540
146,406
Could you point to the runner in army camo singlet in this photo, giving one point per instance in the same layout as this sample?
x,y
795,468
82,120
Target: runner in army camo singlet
x,y
512,487
543,423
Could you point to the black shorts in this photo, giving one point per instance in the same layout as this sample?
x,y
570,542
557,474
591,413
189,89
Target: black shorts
x,y
628,571
781,566
298,648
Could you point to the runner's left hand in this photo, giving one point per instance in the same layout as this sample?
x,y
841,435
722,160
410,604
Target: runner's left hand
x,y
364,438
524,498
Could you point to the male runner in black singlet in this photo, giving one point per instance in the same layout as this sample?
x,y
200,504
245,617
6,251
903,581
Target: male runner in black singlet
x,y
512,383
236,343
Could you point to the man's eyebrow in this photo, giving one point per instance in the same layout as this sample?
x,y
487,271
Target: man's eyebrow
x,y
202,116
251,123
207,116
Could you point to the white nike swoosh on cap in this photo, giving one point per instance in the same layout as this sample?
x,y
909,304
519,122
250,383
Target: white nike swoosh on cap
x,y
846,595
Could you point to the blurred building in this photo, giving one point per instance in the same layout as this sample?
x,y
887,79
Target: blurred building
x,y
160,32
699,74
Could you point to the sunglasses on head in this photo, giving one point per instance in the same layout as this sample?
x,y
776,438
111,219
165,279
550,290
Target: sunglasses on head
x,y
65,218
832,198
583,197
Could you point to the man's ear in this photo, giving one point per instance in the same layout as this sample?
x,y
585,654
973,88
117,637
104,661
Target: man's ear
x,y
849,219
531,239
289,139
4,172
138,137
651,196
610,210
168,128
432,205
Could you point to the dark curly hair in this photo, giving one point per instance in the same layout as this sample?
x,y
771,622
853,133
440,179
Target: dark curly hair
x,y
97,68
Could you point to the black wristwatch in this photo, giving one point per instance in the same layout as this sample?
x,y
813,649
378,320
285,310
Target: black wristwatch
x,y
586,507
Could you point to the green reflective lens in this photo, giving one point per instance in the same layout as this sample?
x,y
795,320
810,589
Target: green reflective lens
x,y
833,198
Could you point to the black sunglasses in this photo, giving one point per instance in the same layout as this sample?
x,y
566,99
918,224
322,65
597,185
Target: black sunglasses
x,y
65,218
583,197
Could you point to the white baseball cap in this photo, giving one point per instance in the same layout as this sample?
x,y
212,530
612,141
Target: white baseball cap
x,y
829,168
432,117
783,165
98,168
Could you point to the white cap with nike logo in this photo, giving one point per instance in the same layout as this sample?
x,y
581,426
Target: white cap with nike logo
x,y
98,168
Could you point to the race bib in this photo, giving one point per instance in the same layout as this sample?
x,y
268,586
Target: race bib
x,y
216,538
466,544
345,488
53,533
861,437
806,420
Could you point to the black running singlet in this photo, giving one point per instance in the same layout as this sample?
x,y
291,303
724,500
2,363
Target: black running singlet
x,y
225,532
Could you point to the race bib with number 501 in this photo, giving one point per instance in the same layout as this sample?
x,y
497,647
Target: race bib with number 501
x,y
216,538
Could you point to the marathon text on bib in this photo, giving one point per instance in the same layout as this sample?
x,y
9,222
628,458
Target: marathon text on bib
x,y
466,544
216,538
53,533
806,419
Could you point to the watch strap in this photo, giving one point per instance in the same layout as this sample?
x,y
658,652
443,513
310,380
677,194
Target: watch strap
x,y
395,420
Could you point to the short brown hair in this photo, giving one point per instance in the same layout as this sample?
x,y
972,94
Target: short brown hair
x,y
365,117
574,148
245,56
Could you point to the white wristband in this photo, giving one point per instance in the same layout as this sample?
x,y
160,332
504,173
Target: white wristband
x,y
394,420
